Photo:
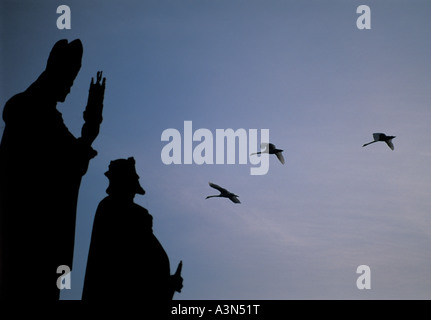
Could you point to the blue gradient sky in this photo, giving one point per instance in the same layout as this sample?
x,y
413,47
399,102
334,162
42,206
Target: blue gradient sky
x,y
301,69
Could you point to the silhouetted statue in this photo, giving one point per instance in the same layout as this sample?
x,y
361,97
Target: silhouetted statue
x,y
41,166
125,260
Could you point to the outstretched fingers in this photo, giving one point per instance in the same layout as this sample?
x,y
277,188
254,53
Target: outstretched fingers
x,y
99,75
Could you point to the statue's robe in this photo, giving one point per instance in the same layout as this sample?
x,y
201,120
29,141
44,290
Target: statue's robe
x,y
126,261
41,166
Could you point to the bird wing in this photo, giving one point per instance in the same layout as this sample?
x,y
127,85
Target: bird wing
x,y
390,144
265,146
271,146
378,136
215,186
234,198
280,157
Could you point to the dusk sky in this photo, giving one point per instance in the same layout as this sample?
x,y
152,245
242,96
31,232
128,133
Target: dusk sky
x,y
301,69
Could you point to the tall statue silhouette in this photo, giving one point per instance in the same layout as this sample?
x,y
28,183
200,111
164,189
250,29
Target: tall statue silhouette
x,y
125,260
41,166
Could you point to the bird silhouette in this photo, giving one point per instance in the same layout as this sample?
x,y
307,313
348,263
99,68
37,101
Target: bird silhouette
x,y
271,149
382,137
223,193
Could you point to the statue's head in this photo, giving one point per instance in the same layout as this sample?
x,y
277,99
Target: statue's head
x,y
63,66
123,178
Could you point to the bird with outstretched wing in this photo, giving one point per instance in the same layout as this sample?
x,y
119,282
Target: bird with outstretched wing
x,y
270,148
223,193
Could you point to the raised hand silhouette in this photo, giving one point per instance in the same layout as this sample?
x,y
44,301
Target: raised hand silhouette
x,y
93,111
41,166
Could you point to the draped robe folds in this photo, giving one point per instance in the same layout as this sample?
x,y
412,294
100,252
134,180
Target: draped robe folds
x,y
41,166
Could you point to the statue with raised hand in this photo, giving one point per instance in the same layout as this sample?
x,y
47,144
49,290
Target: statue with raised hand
x,y
41,166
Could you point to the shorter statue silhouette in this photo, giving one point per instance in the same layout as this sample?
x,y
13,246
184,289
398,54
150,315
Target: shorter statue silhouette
x,y
125,260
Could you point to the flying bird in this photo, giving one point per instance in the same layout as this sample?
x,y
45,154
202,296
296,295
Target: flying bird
x,y
382,137
271,149
224,193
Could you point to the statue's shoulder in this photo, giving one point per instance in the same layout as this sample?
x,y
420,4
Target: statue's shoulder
x,y
106,203
18,106
13,104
